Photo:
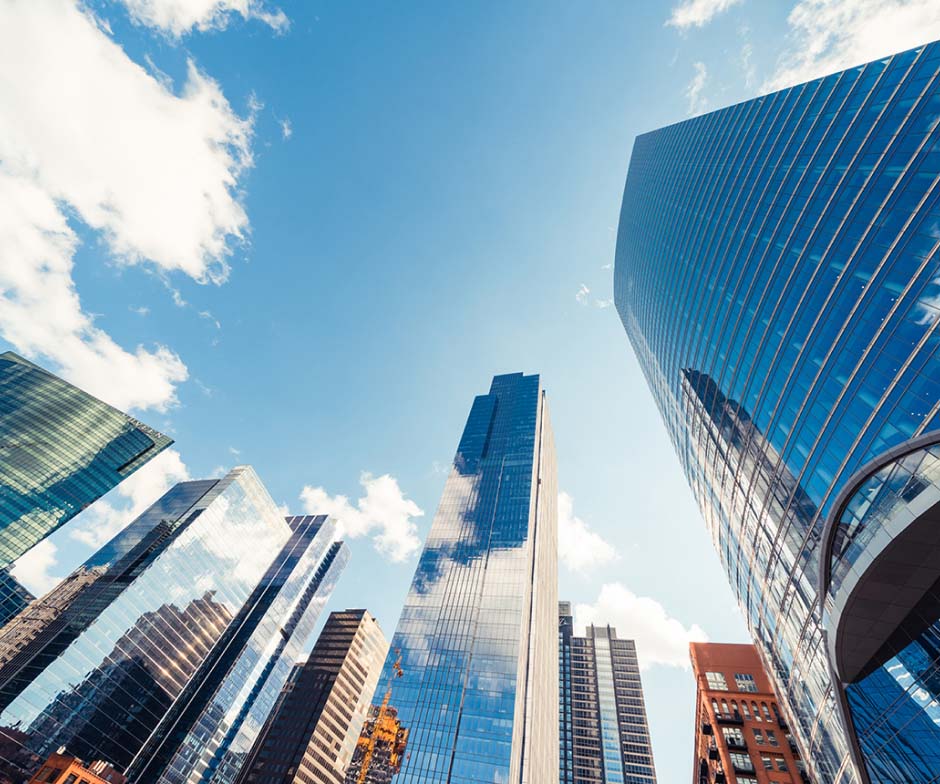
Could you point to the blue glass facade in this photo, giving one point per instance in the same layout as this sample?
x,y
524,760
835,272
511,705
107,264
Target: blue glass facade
x,y
478,633
778,277
60,450
108,659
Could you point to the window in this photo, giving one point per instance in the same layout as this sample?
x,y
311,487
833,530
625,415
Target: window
x,y
733,736
745,682
781,764
756,710
759,737
716,681
746,780
724,707
766,711
742,762
768,762
772,738
747,712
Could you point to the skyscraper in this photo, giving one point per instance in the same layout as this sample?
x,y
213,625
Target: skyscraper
x,y
60,450
740,731
208,587
777,274
477,640
604,736
312,732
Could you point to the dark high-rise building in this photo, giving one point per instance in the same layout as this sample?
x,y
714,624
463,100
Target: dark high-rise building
x,y
473,667
182,628
565,714
312,732
777,273
604,736
60,450
741,733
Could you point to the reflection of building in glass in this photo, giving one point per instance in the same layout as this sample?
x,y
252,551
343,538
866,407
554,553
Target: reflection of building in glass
x,y
67,769
13,596
60,450
111,658
602,729
477,636
311,735
777,273
740,732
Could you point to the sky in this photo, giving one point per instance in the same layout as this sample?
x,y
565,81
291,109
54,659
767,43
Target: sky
x,y
303,235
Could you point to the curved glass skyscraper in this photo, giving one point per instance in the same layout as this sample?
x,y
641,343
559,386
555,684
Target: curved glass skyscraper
x,y
778,275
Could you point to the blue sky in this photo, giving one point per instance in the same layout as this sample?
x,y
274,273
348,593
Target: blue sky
x,y
304,235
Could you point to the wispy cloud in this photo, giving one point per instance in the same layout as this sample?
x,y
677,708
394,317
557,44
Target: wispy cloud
x,y
660,638
287,130
178,17
694,92
697,13
384,513
603,304
141,310
35,568
155,173
580,547
582,294
747,65
830,35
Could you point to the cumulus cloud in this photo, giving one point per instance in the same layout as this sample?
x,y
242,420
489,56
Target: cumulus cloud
x,y
694,92
34,568
579,547
86,132
178,17
831,35
660,638
382,513
105,518
697,13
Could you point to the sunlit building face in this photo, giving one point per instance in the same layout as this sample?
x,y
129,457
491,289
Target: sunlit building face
x,y
165,651
777,274
477,640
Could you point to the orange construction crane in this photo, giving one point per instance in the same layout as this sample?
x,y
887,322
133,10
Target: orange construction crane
x,y
383,732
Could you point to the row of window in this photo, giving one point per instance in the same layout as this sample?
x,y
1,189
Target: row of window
x,y
744,681
770,712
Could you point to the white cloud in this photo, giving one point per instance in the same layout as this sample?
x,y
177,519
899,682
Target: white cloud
x,y
831,35
578,546
603,303
87,132
141,310
697,13
582,294
383,513
178,17
697,101
34,568
106,517
287,130
660,638
747,65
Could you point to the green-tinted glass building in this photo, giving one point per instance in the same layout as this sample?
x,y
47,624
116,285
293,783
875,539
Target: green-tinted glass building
x,y
60,450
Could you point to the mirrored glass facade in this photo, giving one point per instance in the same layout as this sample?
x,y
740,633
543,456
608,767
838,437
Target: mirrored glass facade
x,y
603,729
104,660
60,450
477,638
778,277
